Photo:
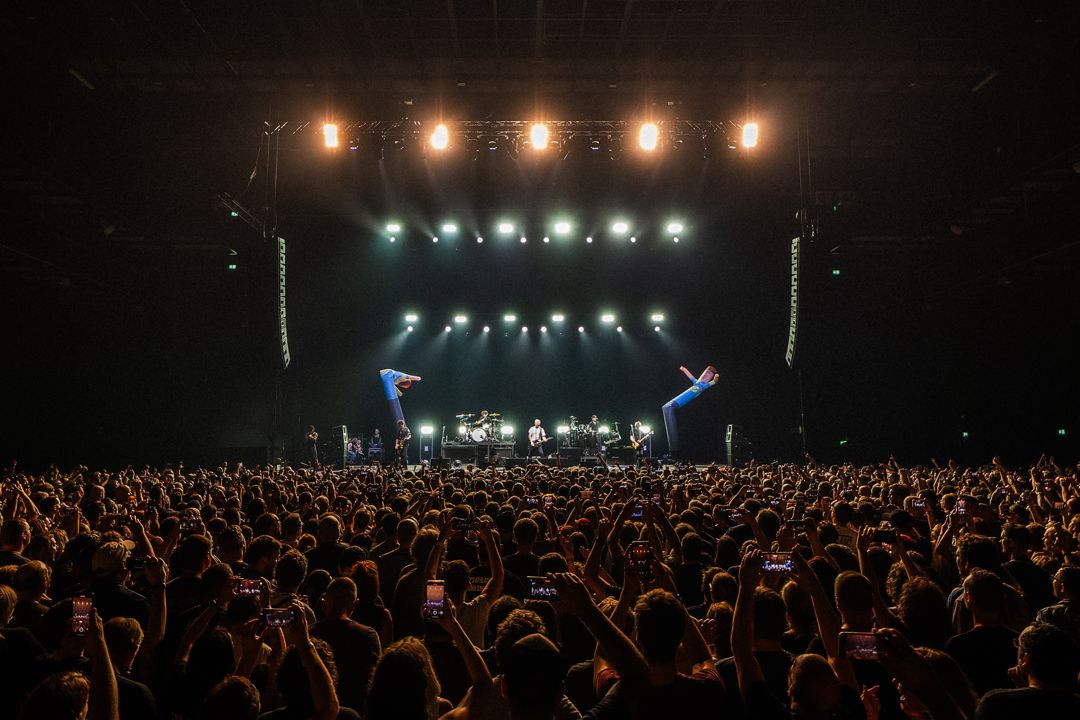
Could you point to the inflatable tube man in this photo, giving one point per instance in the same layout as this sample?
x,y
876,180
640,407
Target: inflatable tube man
x,y
393,383
709,377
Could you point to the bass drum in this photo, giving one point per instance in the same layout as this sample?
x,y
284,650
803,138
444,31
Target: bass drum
x,y
478,435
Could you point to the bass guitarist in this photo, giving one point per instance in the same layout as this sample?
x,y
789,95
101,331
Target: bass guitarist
x,y
401,443
537,438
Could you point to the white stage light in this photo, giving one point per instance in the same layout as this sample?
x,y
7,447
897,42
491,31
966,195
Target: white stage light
x,y
674,228
426,430
447,328
607,318
506,228
749,135
524,328
538,134
633,239
479,240
393,228
558,317
562,429
440,138
543,328
411,317
510,317
435,239
604,429
547,239
619,227
581,328
330,137
589,239
524,239
393,239
656,328
675,240
645,429
409,329
649,136
507,430
449,228
487,328
462,429
657,317
460,319
618,329
562,227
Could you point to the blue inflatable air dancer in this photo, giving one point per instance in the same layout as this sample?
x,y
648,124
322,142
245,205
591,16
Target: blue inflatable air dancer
x,y
709,377
393,382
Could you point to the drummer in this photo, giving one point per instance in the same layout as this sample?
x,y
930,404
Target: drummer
x,y
483,421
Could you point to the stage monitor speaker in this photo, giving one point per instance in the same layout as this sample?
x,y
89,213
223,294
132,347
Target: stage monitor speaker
x,y
503,452
624,456
737,446
571,456
465,454
339,439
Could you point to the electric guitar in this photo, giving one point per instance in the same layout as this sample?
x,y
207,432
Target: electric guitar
x,y
638,442
400,442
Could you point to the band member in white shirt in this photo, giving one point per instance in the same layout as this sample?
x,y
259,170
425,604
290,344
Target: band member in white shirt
x,y
537,438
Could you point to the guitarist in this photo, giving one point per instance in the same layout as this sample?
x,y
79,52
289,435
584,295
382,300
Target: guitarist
x,y
592,432
537,438
637,441
401,443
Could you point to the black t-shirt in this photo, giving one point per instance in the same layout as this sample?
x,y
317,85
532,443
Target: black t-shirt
x,y
774,666
112,599
10,557
356,651
23,663
1028,703
1036,585
701,695
135,699
325,556
521,566
985,654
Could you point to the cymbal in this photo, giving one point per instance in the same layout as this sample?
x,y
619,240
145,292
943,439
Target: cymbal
x,y
494,414
464,415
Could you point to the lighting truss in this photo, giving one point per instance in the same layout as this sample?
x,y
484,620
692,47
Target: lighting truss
x,y
512,135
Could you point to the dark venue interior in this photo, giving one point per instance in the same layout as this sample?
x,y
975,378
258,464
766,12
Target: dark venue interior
x,y
189,186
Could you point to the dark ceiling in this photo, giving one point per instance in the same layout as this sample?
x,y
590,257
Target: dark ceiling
x,y
127,118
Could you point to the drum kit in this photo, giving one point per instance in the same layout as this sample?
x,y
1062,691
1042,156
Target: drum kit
x,y
486,428
580,435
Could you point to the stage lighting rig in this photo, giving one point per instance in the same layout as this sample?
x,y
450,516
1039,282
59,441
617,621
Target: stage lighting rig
x,y
374,137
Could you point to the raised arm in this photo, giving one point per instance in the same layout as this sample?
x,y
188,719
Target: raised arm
x,y
479,675
619,649
494,586
320,684
882,614
431,569
827,620
104,700
157,574
688,374
747,667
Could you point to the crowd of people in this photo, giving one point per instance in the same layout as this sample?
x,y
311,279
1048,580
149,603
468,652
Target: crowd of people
x,y
813,591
